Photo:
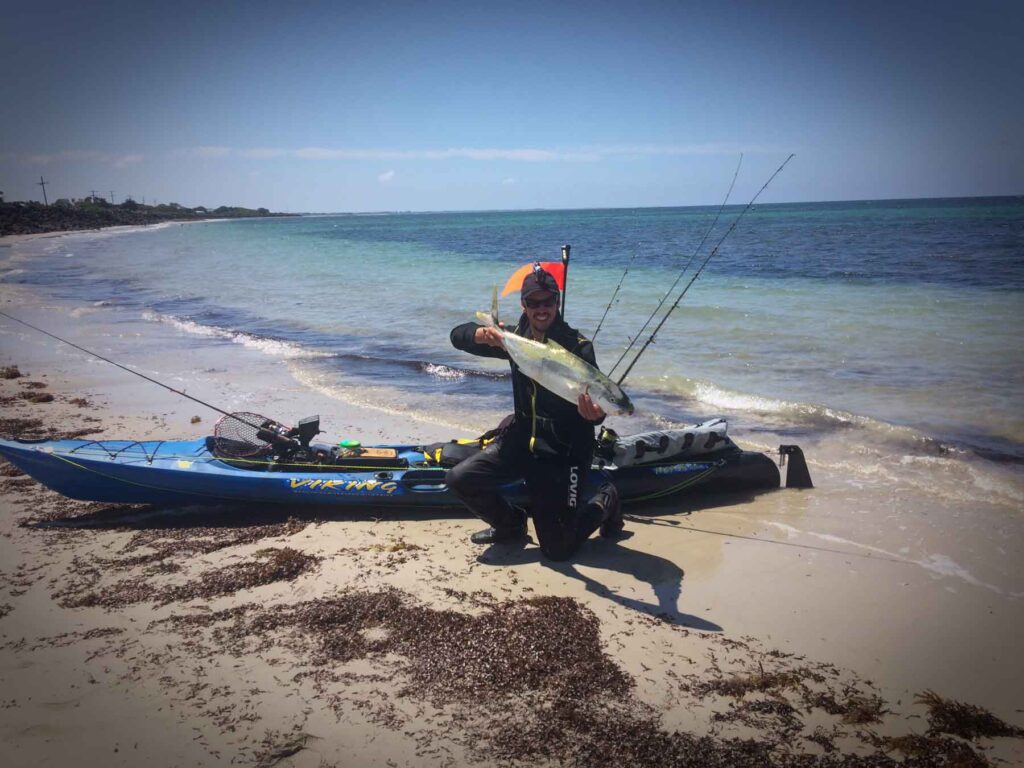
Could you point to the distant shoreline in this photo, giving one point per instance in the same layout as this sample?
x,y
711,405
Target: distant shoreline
x,y
9,240
92,214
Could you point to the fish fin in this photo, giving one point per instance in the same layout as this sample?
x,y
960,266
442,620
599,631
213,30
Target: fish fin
x,y
490,319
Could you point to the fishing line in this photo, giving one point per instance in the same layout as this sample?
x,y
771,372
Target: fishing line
x,y
697,273
668,293
125,368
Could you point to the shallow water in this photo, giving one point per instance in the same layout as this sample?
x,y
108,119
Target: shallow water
x,y
883,331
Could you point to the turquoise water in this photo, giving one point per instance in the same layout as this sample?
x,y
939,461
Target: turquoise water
x,y
899,320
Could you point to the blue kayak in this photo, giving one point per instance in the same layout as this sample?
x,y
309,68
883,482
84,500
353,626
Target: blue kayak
x,y
191,472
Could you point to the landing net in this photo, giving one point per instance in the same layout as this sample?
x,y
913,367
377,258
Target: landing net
x,y
236,435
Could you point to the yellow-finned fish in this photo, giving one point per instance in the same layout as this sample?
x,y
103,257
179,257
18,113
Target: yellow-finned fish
x,y
557,369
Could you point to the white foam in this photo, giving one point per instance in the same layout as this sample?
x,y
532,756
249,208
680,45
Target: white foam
x,y
946,566
711,394
936,563
370,399
275,347
444,372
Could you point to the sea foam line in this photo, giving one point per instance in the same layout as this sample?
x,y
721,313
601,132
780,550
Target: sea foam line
x,y
371,400
803,414
275,347
943,565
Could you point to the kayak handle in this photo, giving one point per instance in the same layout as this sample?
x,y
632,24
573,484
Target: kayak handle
x,y
425,482
440,488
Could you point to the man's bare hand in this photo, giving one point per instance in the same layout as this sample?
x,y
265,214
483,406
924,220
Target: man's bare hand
x,y
588,409
485,334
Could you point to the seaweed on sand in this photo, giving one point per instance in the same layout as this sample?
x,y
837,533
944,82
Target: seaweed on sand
x,y
853,708
965,720
267,567
760,681
930,750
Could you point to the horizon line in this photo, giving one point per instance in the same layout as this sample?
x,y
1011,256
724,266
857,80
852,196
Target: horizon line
x,y
642,207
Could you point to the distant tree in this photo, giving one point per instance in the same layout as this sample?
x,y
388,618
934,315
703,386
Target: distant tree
x,y
129,205
62,202
263,211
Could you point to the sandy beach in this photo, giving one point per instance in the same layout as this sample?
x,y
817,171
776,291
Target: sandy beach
x,y
833,626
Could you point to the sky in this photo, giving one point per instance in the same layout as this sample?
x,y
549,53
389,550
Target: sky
x,y
340,106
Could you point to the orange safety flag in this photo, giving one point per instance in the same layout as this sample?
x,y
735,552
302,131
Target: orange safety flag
x,y
555,268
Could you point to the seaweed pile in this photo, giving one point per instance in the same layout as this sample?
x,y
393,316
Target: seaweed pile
x,y
267,566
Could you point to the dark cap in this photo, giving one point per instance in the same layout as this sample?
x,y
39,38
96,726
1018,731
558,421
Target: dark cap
x,y
538,280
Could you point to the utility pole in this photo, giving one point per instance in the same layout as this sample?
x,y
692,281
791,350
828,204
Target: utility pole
x,y
111,197
43,184
92,195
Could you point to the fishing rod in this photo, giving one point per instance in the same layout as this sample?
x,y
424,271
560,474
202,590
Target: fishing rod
x,y
697,273
565,275
614,294
125,368
696,250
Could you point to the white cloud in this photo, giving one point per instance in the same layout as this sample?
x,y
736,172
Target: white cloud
x,y
585,154
126,160
508,182
385,177
81,156
261,153
210,152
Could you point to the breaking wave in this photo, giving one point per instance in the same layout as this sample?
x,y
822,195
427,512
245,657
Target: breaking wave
x,y
265,344
782,414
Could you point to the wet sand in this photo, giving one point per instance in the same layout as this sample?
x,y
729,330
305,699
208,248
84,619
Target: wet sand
x,y
807,623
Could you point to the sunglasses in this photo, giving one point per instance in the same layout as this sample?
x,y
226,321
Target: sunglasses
x,y
539,303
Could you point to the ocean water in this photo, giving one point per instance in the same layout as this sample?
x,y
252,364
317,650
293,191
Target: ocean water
x,y
891,327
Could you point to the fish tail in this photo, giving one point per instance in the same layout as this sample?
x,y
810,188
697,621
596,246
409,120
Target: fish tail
x,y
490,319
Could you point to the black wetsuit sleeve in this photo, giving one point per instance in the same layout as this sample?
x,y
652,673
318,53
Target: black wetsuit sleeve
x,y
462,338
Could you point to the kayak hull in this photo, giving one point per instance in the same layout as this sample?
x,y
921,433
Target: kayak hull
x,y
188,473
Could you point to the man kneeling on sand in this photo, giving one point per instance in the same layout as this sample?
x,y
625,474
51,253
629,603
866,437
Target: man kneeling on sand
x,y
549,443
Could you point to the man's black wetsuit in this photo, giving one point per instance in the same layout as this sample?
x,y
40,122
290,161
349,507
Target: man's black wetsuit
x,y
548,443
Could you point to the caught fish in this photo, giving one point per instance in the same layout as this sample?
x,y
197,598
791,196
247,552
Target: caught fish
x,y
557,369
